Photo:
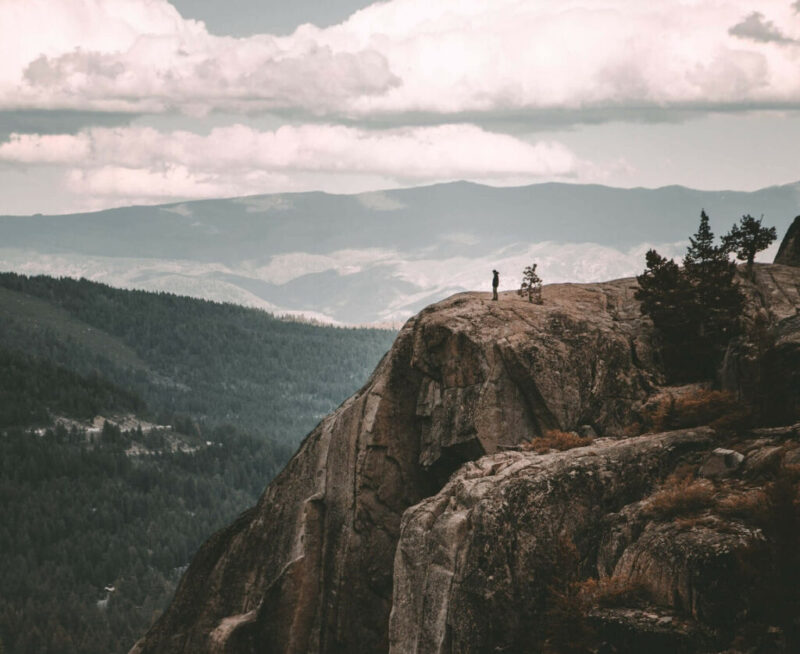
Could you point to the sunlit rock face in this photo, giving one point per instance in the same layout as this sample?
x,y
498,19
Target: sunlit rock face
x,y
419,457
789,251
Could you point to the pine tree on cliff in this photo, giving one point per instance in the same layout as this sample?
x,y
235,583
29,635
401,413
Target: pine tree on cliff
x,y
695,309
717,300
531,285
664,293
747,239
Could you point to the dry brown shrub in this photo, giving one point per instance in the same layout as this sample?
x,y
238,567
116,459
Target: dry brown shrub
x,y
720,409
681,495
555,439
750,505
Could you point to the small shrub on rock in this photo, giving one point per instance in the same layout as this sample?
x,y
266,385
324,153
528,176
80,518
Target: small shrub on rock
x,y
719,409
681,495
749,505
555,439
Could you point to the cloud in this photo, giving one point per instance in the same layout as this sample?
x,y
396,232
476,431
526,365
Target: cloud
x,y
45,149
403,58
134,163
141,55
755,27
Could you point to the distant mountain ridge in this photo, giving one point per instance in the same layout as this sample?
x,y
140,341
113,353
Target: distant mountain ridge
x,y
375,257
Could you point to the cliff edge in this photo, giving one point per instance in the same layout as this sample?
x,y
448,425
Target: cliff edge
x,y
425,455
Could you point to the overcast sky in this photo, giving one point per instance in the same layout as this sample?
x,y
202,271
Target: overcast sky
x,y
112,102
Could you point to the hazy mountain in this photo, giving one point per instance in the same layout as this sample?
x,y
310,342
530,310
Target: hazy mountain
x,y
376,256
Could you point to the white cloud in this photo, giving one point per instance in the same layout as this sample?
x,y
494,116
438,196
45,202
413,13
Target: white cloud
x,y
405,56
139,163
141,55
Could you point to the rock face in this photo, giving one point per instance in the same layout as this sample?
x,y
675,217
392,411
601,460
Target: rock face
x,y
763,365
477,564
789,250
481,546
316,567
722,463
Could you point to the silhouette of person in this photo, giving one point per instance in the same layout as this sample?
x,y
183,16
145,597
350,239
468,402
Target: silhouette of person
x,y
495,284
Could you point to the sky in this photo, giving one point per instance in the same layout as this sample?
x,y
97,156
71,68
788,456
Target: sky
x,y
113,102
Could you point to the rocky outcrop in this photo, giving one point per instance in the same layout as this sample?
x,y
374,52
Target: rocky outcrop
x,y
313,567
477,567
483,546
763,365
789,250
310,567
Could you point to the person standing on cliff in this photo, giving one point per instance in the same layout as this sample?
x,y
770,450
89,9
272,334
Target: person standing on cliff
x,y
495,284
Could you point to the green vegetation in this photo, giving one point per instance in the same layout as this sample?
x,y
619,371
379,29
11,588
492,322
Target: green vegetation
x,y
748,238
695,309
78,515
32,390
531,284
218,363
83,509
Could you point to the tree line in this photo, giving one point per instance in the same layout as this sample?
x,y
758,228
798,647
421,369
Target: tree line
x,y
696,308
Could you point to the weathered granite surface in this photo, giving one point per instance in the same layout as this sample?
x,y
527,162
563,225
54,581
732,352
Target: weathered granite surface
x,y
312,567
789,250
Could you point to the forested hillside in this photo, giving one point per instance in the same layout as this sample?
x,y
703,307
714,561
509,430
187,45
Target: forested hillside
x,y
97,521
219,363
77,517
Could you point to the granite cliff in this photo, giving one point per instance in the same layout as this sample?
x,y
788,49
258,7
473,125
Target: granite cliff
x,y
414,519
789,251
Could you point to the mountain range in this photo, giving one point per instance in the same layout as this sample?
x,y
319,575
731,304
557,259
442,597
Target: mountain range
x,y
376,257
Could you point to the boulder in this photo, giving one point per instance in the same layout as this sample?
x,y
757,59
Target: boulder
x,y
792,457
721,463
763,461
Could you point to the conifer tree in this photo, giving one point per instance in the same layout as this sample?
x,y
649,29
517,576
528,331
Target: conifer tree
x,y
747,239
717,300
531,284
695,309
665,293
